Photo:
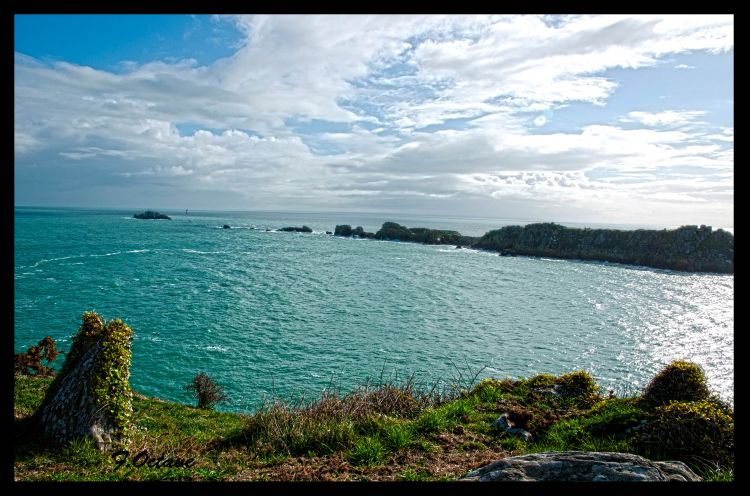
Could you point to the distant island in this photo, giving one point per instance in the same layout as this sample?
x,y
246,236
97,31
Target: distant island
x,y
149,214
688,248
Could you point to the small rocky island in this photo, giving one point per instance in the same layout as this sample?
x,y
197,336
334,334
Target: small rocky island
x,y
150,214
303,229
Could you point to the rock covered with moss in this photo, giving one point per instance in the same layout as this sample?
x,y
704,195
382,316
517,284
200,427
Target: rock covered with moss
x,y
689,248
91,396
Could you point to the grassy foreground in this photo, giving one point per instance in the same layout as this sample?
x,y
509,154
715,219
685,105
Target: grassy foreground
x,y
382,432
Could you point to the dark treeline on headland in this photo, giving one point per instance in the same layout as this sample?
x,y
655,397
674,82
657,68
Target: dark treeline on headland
x,y
688,248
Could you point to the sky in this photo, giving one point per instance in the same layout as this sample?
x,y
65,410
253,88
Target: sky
x,y
622,119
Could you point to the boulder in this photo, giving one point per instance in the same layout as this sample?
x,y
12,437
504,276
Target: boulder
x,y
581,466
226,226
149,214
303,229
329,232
91,396
343,230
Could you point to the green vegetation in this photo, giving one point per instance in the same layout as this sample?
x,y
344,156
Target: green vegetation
x,y
386,431
110,377
678,381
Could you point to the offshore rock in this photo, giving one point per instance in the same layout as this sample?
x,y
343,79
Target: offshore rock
x,y
149,214
688,248
582,466
343,230
303,229
226,226
396,232
91,396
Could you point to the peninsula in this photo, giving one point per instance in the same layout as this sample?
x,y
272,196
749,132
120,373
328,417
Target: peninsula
x,y
687,248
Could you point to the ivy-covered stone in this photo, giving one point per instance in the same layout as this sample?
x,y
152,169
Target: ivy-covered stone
x,y
91,396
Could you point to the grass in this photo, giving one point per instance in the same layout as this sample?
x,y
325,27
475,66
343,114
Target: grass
x,y
382,431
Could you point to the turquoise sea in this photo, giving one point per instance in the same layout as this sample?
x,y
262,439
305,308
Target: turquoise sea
x,y
272,313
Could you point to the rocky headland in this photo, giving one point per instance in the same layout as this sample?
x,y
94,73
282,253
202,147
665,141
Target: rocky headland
x,y
687,248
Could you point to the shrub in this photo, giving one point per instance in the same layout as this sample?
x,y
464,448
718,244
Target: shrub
x,y
30,363
678,381
691,431
580,386
573,389
206,391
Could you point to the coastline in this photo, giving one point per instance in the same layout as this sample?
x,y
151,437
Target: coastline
x,y
685,249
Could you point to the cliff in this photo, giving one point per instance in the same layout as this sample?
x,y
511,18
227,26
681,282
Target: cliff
x,y
688,248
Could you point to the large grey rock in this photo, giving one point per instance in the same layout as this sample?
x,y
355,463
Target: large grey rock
x,y
582,466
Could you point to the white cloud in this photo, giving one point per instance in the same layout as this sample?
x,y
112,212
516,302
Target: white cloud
x,y
684,66
665,118
448,99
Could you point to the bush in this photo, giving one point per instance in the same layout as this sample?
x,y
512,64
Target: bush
x,y
206,391
573,389
693,432
580,386
678,381
30,363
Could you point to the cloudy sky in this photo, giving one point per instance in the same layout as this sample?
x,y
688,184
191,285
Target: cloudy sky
x,y
615,119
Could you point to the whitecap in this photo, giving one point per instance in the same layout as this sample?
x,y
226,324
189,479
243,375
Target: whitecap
x,y
45,260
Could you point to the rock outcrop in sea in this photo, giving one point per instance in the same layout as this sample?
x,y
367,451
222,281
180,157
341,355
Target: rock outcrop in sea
x,y
688,248
303,229
582,466
150,214
397,232
357,232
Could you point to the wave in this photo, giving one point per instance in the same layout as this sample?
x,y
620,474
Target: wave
x,y
190,250
45,260
217,348
138,251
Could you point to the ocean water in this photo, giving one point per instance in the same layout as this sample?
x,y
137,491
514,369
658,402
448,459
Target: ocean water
x,y
285,314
